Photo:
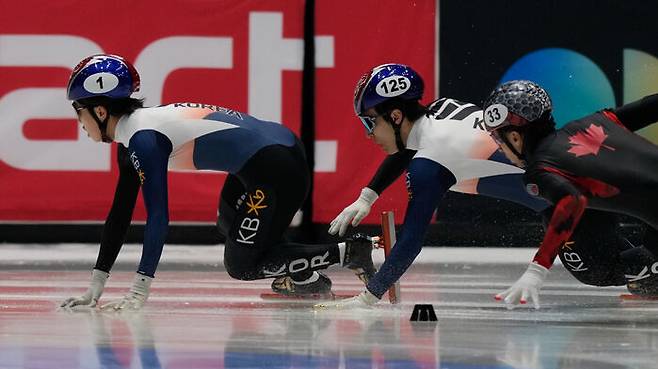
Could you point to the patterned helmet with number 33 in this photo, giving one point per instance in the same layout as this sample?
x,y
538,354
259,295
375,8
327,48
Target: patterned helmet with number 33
x,y
516,103
102,75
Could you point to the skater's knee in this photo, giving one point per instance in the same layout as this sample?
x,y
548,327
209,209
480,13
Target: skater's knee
x,y
239,273
601,278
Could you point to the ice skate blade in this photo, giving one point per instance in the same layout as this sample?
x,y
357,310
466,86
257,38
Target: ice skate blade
x,y
311,297
629,296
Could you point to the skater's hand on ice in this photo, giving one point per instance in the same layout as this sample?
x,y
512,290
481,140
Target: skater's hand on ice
x,y
354,213
79,303
363,300
135,299
129,302
90,298
526,287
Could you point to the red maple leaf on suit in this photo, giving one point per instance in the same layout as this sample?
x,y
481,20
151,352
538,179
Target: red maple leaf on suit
x,y
588,142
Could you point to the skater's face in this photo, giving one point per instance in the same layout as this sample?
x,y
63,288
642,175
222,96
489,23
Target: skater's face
x,y
382,132
516,140
88,123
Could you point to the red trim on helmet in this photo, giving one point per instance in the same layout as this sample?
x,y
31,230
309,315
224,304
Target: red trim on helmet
x,y
515,120
77,70
82,63
358,91
511,120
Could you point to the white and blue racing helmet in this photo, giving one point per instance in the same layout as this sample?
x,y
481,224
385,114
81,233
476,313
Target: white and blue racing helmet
x,y
382,83
102,75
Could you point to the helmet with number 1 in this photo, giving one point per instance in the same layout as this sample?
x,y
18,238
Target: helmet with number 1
x,y
102,75
385,82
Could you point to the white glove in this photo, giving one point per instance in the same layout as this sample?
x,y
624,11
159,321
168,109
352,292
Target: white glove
x,y
363,300
94,292
136,298
527,286
354,213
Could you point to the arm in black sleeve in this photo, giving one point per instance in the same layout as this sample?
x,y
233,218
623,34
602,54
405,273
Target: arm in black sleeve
x,y
639,114
121,213
390,169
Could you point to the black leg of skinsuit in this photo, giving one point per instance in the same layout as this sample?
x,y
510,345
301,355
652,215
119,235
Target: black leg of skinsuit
x,y
592,254
651,240
256,207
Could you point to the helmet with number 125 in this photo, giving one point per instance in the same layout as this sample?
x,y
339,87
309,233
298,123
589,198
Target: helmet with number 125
x,y
385,82
103,75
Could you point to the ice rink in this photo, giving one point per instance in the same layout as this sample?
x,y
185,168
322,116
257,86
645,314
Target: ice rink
x,y
197,317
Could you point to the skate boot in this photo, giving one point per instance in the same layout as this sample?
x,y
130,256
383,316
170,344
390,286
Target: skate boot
x,y
641,272
358,256
318,289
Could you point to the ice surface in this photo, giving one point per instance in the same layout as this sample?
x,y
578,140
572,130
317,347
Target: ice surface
x,y
197,317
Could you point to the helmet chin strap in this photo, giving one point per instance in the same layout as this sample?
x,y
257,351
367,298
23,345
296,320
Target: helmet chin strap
x,y
398,136
102,125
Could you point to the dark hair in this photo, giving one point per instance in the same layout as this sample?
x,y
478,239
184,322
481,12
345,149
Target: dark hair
x,y
412,109
116,107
